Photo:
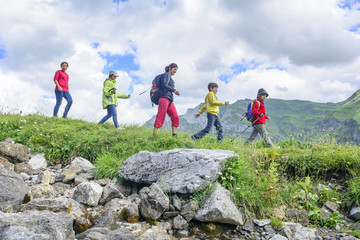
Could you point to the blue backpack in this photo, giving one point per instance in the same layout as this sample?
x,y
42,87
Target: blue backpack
x,y
155,94
249,114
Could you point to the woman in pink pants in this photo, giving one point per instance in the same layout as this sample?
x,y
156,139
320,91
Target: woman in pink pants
x,y
166,105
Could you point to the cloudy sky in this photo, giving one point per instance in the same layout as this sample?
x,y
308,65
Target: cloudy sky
x,y
307,50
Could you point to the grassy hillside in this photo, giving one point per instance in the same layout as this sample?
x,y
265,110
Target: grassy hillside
x,y
260,180
288,118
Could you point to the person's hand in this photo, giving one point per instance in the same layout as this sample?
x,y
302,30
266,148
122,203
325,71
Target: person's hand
x,y
129,95
261,115
268,118
227,103
60,89
197,115
113,91
177,92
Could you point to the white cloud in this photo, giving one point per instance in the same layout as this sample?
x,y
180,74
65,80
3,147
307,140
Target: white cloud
x,y
307,39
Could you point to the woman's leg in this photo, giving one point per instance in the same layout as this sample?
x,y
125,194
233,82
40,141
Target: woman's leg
x,y
59,96
161,114
114,115
69,100
171,111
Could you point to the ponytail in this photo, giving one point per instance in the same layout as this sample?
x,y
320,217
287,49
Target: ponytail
x,y
171,65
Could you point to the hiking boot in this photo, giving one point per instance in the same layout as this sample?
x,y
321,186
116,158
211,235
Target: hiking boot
x,y
120,128
175,135
193,137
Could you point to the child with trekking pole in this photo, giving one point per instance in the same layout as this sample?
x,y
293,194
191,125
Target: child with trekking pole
x,y
110,96
258,110
212,109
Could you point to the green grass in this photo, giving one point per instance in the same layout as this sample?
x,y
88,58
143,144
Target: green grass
x,y
260,179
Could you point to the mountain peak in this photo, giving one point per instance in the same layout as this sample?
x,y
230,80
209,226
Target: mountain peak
x,y
354,98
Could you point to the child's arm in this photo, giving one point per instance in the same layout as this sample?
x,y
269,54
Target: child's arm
x,y
201,111
214,102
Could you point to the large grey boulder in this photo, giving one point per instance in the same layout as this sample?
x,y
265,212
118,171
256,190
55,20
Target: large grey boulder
x,y
177,170
153,202
12,190
88,193
38,225
218,207
111,190
305,233
60,204
14,152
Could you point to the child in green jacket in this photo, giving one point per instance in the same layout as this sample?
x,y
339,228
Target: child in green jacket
x,y
110,96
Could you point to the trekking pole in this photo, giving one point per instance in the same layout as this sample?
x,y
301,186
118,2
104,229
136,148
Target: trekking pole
x,y
245,129
144,91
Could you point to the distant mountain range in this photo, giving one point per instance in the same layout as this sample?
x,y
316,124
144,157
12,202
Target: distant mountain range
x,y
297,118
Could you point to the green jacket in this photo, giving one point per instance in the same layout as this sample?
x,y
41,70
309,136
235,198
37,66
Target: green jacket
x,y
110,98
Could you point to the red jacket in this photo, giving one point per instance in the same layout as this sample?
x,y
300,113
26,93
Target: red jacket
x,y
257,112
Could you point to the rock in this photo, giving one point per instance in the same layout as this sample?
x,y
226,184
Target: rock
x,y
38,162
298,216
218,207
177,170
325,213
182,233
23,168
41,191
151,234
60,188
14,152
88,193
79,179
249,226
104,181
176,202
77,166
279,212
112,212
305,233
60,204
81,224
278,237
355,214
48,177
170,214
331,206
6,164
121,234
111,190
180,223
13,190
131,213
189,210
94,234
36,225
262,222
153,202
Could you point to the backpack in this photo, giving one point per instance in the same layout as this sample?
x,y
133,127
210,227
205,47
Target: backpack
x,y
249,114
155,94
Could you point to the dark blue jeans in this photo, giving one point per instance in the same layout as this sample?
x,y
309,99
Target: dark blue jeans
x,y
111,112
213,120
59,96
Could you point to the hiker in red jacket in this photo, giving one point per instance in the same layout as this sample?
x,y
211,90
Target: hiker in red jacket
x,y
260,119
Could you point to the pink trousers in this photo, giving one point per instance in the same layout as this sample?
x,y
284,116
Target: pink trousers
x,y
170,110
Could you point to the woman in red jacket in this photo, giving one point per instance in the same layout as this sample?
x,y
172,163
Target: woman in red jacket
x,y
260,119
61,80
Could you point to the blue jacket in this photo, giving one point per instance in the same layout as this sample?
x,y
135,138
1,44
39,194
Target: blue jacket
x,y
167,86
